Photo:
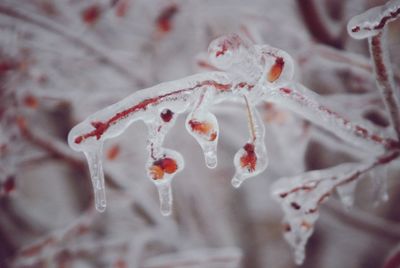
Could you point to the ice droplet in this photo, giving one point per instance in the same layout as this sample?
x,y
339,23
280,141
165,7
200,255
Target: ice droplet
x,y
165,195
211,159
97,175
203,126
237,180
252,158
161,171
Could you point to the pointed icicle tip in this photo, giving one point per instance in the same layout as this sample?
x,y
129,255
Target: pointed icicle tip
x,y
94,159
236,182
165,195
211,159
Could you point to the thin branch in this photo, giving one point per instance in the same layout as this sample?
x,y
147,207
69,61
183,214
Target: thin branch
x,y
308,104
250,119
384,78
58,149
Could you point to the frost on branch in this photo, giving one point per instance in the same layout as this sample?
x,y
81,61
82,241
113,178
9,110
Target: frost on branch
x,y
371,22
372,25
301,197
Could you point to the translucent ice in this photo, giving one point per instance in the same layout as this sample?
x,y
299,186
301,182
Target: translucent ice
x,y
252,158
278,66
233,54
371,22
310,105
94,159
165,195
203,126
301,197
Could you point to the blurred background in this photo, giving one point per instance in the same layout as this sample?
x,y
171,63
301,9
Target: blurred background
x,y
62,60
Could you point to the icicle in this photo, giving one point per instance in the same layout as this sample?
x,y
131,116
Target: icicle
x,y
379,177
297,231
203,126
163,164
161,169
301,197
94,159
165,195
346,193
252,158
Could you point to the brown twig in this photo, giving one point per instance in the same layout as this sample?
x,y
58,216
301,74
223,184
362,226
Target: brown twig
x,y
384,79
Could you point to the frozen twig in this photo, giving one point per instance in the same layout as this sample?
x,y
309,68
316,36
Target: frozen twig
x,y
372,25
310,105
384,78
254,73
302,196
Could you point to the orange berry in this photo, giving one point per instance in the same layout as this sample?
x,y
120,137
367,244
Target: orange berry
x,y
156,172
276,70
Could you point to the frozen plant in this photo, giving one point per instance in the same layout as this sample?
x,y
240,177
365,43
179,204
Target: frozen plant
x,y
254,74
301,196
315,119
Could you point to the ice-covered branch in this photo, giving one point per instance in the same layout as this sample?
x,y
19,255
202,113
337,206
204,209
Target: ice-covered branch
x,y
301,196
372,25
384,78
310,105
242,68
372,21
250,72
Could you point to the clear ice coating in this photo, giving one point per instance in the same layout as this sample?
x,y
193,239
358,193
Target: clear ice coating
x,y
371,22
252,158
203,126
233,54
301,196
310,105
94,159
254,73
165,195
246,71
163,164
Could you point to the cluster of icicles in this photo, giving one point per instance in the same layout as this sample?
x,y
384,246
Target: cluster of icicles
x,y
246,70
254,74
